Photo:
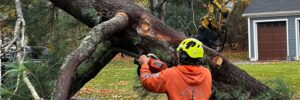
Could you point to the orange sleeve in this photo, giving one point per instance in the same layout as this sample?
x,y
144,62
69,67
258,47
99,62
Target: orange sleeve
x,y
153,82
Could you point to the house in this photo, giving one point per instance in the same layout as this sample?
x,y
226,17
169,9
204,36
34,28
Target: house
x,y
273,29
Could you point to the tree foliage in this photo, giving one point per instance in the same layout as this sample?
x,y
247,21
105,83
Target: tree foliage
x,y
179,15
184,16
7,17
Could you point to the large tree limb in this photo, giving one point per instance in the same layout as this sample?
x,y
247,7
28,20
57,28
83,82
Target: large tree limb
x,y
92,66
86,48
80,9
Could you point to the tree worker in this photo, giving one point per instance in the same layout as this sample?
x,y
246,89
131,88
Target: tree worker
x,y
189,80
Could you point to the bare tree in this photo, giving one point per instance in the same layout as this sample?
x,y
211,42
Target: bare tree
x,y
20,42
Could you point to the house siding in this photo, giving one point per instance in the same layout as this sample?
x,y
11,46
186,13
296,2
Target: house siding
x,y
251,39
292,48
292,37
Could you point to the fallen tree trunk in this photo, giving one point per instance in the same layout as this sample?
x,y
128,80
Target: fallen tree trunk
x,y
146,33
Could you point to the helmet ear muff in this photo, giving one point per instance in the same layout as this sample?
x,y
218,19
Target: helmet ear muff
x,y
183,56
185,59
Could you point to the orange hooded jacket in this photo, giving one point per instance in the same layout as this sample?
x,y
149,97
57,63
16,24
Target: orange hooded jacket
x,y
184,82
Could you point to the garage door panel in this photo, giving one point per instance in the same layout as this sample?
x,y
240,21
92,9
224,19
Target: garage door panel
x,y
272,41
273,35
275,48
273,51
273,38
271,44
273,58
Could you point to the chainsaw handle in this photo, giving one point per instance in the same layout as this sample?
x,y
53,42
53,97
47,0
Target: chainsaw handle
x,y
152,56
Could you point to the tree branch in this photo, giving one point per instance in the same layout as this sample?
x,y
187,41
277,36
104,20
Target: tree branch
x,y
30,86
193,14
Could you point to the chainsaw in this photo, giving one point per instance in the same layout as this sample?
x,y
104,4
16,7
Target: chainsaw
x,y
155,64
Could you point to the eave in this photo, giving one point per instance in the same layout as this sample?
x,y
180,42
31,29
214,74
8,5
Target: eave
x,y
271,14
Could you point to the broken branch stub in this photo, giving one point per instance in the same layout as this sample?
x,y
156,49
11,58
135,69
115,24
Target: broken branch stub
x,y
217,60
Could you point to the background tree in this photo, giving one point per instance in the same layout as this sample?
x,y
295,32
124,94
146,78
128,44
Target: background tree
x,y
47,27
237,27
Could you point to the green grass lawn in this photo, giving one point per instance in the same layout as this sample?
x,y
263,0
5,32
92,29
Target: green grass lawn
x,y
289,72
117,79
114,81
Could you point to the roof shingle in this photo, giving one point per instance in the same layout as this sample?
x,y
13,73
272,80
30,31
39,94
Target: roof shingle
x,y
262,6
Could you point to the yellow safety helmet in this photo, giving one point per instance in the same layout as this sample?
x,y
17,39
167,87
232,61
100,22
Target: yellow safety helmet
x,y
194,49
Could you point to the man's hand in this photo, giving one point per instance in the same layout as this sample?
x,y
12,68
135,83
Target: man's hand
x,y
143,59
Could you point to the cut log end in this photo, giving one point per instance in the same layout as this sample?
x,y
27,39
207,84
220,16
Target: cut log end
x,y
122,14
217,61
145,26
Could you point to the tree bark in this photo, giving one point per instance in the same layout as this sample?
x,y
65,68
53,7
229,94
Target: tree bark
x,y
147,33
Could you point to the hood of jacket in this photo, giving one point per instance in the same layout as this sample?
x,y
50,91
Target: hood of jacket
x,y
192,75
